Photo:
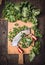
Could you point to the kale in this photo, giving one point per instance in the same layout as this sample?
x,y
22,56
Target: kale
x,y
20,11
35,51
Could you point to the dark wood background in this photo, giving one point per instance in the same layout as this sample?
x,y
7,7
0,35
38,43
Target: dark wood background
x,y
5,58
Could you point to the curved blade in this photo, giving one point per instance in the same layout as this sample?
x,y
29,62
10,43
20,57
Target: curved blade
x,y
18,37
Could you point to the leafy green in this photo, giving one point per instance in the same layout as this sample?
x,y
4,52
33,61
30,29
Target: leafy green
x,y
26,41
31,56
33,19
36,12
37,33
9,12
35,51
20,11
25,12
24,19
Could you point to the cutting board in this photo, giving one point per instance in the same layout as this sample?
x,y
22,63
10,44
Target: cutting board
x,y
13,49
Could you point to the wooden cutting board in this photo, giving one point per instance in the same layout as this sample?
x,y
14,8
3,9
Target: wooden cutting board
x,y
14,50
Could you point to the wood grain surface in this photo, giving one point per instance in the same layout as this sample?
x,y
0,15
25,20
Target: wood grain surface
x,y
13,49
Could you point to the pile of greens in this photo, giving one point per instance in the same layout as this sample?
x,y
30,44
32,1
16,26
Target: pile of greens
x,y
15,31
25,41
20,11
35,51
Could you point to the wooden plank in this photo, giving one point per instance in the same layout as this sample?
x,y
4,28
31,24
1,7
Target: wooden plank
x,y
20,60
4,33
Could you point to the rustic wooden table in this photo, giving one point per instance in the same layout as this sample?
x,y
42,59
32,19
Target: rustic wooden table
x,y
8,59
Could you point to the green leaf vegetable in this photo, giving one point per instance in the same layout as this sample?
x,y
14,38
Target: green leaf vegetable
x,y
26,42
31,56
20,11
15,31
36,12
8,12
37,32
35,51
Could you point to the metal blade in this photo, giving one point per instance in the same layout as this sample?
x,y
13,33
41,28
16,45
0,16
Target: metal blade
x,y
18,37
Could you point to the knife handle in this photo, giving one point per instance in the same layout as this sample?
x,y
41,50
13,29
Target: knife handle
x,y
33,37
20,49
